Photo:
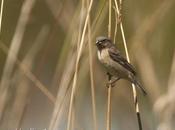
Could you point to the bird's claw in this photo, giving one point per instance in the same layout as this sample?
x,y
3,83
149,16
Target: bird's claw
x,y
109,84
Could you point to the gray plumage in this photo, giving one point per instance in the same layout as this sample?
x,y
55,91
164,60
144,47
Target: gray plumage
x,y
114,62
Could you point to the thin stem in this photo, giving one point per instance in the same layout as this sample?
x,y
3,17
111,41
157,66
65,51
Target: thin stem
x,y
128,59
108,120
92,77
69,70
2,6
116,23
109,24
13,52
19,105
98,15
77,66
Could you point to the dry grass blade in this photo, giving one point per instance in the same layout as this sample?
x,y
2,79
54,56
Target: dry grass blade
x,y
68,69
109,20
22,86
92,77
13,52
149,24
149,76
61,96
31,76
164,106
95,21
57,8
128,59
69,43
77,65
116,23
2,6
108,120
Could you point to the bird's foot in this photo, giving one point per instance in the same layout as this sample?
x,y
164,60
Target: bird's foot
x,y
109,76
110,84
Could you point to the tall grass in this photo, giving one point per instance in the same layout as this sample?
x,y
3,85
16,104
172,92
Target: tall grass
x,y
1,12
50,75
15,46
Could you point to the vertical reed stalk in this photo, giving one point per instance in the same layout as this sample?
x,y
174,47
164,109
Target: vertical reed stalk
x,y
92,76
77,66
128,59
22,86
116,24
13,52
108,120
1,12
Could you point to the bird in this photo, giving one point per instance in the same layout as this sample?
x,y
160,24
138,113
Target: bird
x,y
116,65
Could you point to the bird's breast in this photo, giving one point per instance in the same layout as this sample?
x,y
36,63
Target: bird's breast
x,y
103,56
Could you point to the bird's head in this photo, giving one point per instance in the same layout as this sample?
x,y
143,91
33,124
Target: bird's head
x,y
103,42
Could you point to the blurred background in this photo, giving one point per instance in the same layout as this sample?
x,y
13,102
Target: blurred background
x,y
39,45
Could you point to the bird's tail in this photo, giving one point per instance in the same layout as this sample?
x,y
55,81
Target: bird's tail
x,y
136,82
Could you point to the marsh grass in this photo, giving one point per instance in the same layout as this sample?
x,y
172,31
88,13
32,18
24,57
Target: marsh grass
x,y
15,45
1,12
58,82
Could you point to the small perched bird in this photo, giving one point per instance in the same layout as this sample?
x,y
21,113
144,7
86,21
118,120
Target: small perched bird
x,y
117,66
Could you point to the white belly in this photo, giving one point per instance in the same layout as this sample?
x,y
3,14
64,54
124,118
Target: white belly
x,y
103,56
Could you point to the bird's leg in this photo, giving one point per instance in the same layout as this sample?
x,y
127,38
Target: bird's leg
x,y
109,76
109,80
113,82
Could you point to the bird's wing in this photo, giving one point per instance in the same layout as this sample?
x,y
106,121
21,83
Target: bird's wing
x,y
116,56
